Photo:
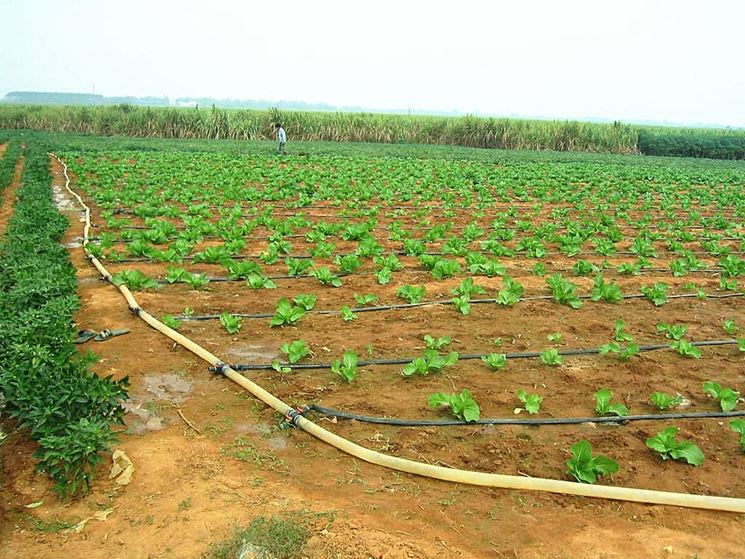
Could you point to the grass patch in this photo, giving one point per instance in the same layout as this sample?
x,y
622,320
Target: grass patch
x,y
278,537
243,451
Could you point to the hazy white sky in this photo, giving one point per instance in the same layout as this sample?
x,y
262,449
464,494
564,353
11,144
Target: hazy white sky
x,y
674,60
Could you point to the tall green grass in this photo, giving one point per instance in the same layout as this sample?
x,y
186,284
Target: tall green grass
x,y
182,123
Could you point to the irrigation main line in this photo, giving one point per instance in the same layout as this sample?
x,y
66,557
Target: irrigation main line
x,y
467,357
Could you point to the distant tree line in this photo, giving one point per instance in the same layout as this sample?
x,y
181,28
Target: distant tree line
x,y
55,98
725,145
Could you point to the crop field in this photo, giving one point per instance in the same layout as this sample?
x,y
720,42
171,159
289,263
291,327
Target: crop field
x,y
449,268
440,309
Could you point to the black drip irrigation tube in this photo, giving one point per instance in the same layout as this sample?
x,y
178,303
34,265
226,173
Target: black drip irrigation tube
x,y
400,252
616,420
525,258
468,357
445,302
223,279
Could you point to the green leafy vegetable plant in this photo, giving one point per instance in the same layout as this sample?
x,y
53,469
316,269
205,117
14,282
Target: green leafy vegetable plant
x,y
346,367
231,323
134,279
609,292
686,349
585,467
730,327
462,405
384,276
604,406
324,275
664,401
668,447
412,293
286,314
531,402
295,351
672,331
260,281
624,353
430,361
348,263
196,281
305,300
437,343
551,357
347,315
738,426
174,274
298,266
657,293
619,332
495,360
727,397
366,299
564,291
170,321
462,303
510,293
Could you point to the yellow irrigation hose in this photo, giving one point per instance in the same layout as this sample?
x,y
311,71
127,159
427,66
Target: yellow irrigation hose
x,y
401,464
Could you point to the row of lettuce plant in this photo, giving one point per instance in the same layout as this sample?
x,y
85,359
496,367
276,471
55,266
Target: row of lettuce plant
x,y
47,386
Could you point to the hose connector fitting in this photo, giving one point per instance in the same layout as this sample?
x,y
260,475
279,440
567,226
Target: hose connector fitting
x,y
292,417
220,368
135,310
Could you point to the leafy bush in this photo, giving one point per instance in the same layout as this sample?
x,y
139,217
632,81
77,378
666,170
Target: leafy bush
x,y
47,386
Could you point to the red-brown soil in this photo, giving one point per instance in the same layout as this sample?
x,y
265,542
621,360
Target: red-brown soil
x,y
190,488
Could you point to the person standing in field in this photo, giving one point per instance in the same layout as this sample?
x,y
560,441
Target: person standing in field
x,y
281,137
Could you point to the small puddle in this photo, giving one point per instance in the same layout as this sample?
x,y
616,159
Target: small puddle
x,y
168,387
75,243
251,353
145,407
62,199
261,430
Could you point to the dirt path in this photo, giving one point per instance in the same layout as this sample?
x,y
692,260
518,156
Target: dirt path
x,y
190,488
3,147
8,197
